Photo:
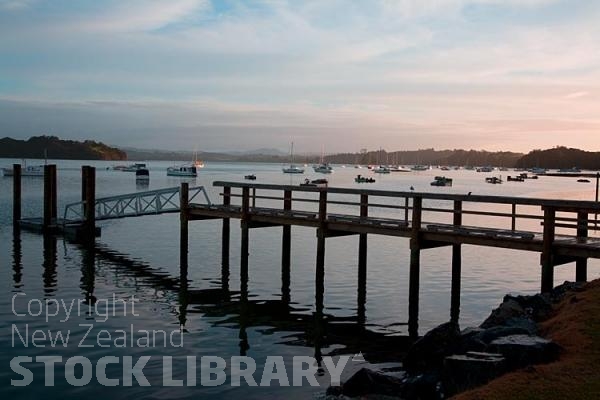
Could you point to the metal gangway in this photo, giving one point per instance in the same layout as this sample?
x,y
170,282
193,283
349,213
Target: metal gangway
x,y
137,204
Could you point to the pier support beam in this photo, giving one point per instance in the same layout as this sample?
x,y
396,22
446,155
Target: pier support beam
x,y
49,195
184,225
89,180
456,267
226,230
16,194
321,234
362,262
244,248
582,233
547,258
286,251
415,266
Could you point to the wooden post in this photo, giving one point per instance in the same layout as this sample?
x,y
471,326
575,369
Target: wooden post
x,y
456,267
226,230
90,201
415,260
582,233
547,256
286,247
53,193
183,223
406,210
320,270
362,261
513,224
244,248
47,197
84,174
16,194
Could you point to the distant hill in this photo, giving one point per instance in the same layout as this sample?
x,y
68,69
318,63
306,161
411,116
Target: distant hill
x,y
561,157
38,146
429,157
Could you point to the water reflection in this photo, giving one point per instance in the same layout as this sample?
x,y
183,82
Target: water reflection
x,y
88,273
50,264
17,254
240,311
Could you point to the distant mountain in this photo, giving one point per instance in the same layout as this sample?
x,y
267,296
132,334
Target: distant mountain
x,y
561,157
39,146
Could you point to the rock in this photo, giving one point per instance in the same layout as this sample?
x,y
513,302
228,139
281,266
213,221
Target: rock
x,y
462,372
428,353
509,309
489,335
559,292
366,381
523,350
421,387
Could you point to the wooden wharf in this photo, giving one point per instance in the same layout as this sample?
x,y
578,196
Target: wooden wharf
x,y
559,230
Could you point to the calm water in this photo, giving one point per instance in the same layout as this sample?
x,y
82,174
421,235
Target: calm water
x,y
140,256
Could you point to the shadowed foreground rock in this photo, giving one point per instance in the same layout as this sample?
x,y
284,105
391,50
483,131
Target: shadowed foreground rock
x,y
446,361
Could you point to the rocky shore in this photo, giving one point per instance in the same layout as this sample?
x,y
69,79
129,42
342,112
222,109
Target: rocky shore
x,y
447,360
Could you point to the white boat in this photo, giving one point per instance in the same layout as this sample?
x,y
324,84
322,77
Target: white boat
x,y
26,170
381,170
131,167
320,183
182,170
292,169
198,163
398,168
420,168
323,168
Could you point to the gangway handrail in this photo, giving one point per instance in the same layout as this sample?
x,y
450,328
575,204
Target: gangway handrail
x,y
150,202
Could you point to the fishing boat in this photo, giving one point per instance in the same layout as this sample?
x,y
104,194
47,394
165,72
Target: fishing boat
x,y
420,168
183,170
363,179
485,169
515,178
320,183
583,180
292,169
441,181
251,177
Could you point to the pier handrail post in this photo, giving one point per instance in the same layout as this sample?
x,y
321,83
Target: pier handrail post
x,y
286,245
582,233
226,231
406,209
456,266
184,194
244,247
362,261
245,202
547,258
415,259
322,207
321,234
16,194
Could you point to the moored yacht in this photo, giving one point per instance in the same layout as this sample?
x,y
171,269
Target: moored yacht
x,y
182,170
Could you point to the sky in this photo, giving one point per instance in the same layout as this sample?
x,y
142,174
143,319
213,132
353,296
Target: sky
x,y
341,75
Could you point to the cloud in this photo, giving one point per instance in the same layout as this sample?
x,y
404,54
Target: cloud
x,y
576,95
